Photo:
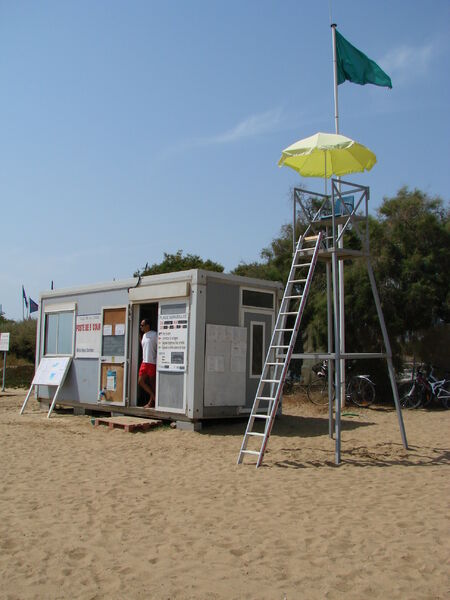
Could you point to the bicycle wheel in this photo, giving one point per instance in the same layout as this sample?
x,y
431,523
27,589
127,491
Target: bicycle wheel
x,y
317,391
413,397
361,391
444,394
403,389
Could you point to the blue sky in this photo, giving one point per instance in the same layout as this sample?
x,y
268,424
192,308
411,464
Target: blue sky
x,y
134,128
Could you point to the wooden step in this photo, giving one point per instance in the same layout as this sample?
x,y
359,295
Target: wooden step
x,y
128,424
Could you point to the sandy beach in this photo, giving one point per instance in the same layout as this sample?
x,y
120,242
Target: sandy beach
x,y
94,513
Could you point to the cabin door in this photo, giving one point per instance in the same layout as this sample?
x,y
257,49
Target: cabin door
x,y
113,360
259,326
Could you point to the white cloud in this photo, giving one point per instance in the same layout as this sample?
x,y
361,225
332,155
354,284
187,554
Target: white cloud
x,y
406,63
249,127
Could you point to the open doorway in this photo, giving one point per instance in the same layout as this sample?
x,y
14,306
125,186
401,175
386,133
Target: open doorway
x,y
146,311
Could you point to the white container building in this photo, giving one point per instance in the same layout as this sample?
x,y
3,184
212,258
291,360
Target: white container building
x,y
213,330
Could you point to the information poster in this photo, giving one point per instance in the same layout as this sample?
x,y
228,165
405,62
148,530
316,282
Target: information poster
x,y
172,341
4,342
88,338
111,380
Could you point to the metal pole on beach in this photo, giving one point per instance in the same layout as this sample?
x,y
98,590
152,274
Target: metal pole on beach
x,y
4,370
341,238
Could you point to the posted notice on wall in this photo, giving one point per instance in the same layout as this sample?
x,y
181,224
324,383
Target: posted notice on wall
x,y
172,341
88,340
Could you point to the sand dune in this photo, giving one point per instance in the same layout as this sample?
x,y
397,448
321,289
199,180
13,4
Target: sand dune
x,y
92,513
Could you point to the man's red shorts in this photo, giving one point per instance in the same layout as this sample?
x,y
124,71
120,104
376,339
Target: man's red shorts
x,y
148,369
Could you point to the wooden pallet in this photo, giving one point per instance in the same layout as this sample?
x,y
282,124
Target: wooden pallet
x,y
129,424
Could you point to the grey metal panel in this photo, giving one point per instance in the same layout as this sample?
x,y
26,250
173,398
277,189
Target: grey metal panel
x,y
170,390
81,384
225,358
222,303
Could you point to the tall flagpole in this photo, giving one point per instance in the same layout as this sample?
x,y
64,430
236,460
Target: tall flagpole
x,y
336,108
341,238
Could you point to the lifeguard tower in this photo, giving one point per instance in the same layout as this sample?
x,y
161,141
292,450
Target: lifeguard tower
x,y
323,240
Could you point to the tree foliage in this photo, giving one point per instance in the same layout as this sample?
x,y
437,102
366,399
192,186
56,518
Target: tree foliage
x,y
178,262
410,244
22,339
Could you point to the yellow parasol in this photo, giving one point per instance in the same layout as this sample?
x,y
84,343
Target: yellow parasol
x,y
327,154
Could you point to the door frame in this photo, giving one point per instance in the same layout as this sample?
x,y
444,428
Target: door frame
x,y
119,360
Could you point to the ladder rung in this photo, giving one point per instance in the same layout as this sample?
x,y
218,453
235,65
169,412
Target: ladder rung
x,y
265,398
255,433
270,380
250,452
279,346
297,280
289,313
272,364
259,416
311,237
303,265
283,330
301,296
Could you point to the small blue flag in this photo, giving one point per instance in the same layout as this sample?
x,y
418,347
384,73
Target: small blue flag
x,y
33,306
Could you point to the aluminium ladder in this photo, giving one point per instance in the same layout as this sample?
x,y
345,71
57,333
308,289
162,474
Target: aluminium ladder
x,y
268,392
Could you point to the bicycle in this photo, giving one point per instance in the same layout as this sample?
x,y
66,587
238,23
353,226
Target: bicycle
x,y
293,384
360,389
424,390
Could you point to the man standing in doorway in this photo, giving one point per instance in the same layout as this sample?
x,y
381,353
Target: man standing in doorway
x,y
147,370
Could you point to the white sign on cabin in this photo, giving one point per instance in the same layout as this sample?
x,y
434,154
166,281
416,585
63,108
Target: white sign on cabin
x,y
172,341
88,340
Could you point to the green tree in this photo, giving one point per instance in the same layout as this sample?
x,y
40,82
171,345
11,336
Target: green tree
x,y
22,340
410,244
178,262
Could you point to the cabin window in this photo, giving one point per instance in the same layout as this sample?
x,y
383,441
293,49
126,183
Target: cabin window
x,y
257,350
257,299
59,333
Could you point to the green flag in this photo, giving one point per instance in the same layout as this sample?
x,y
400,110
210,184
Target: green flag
x,y
355,66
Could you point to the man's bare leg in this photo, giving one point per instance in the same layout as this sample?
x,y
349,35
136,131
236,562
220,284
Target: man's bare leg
x,y
147,387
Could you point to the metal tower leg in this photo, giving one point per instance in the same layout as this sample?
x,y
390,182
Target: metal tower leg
x,y
337,361
388,352
330,350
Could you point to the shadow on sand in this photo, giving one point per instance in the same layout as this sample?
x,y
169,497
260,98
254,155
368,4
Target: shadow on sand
x,y
382,455
284,426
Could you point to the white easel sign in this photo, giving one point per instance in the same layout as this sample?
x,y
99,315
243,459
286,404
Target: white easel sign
x,y
51,372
